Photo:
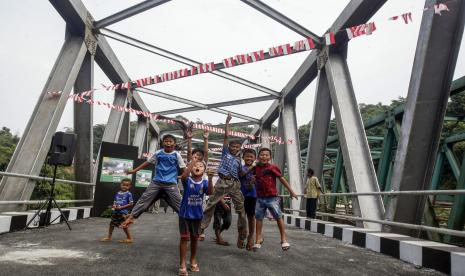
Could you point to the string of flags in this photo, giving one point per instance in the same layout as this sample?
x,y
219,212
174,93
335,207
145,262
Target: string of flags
x,y
272,139
256,56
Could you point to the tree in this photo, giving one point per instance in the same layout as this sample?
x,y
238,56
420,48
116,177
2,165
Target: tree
x,y
8,143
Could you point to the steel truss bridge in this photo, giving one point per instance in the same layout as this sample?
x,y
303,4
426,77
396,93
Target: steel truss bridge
x,y
411,157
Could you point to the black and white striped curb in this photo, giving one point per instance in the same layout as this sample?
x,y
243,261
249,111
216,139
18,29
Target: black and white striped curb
x,y
14,221
446,258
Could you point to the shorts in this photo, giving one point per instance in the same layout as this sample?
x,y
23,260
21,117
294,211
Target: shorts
x,y
249,205
189,229
270,203
117,219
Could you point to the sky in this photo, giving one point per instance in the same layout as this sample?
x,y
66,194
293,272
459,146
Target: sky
x,y
205,30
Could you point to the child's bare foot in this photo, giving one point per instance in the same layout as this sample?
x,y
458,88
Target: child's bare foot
x,y
222,242
107,239
127,222
126,241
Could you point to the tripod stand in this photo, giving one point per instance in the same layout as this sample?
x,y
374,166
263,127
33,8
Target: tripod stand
x,y
48,205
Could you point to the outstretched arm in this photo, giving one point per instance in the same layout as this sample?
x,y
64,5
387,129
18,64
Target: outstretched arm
x,y
189,145
205,146
141,166
227,129
187,171
210,173
288,187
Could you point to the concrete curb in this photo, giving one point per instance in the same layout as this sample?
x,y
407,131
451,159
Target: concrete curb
x,y
446,258
15,221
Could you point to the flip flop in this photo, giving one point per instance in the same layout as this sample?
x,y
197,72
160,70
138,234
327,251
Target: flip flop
x,y
256,247
125,241
285,246
195,268
183,272
240,243
105,240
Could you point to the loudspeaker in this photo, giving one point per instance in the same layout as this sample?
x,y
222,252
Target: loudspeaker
x,y
62,149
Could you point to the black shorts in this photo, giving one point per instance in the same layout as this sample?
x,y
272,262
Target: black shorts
x,y
189,229
249,205
117,219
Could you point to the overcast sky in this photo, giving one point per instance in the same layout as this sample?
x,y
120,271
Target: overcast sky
x,y
204,30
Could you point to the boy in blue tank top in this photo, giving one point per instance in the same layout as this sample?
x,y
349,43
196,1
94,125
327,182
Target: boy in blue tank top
x,y
191,212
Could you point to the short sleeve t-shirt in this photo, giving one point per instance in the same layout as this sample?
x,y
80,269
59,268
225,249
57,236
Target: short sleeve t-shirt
x,y
229,165
122,199
313,186
192,198
265,175
247,188
166,166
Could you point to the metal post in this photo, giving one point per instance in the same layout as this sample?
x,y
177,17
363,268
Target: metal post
x,y
319,129
457,213
140,136
336,179
425,108
35,142
265,133
385,159
292,145
83,127
361,175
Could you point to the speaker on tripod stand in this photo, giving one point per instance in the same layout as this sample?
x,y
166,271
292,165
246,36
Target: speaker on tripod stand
x,y
62,149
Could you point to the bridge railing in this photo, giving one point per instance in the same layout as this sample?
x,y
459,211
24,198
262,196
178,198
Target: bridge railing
x,y
438,230
48,179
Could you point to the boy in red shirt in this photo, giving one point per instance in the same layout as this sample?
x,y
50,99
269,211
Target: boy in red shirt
x,y
267,196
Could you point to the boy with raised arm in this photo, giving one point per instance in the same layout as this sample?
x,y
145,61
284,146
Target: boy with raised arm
x,y
165,176
267,196
199,154
191,213
228,183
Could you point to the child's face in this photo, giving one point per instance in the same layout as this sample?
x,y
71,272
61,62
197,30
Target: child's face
x,y
249,158
125,186
198,169
234,148
264,156
169,144
198,156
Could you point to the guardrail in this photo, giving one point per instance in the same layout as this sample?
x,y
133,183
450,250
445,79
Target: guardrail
x,y
42,201
445,231
43,178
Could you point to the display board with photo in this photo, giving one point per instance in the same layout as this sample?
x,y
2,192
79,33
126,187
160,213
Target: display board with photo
x,y
114,169
143,178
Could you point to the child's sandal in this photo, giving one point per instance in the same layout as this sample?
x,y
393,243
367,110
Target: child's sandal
x,y
195,268
125,241
256,247
106,240
285,246
183,272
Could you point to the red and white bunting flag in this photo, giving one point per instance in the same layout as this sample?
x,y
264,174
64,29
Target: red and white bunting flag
x,y
243,59
207,67
193,70
355,31
229,62
304,45
329,38
407,17
140,82
174,75
394,18
257,56
276,51
438,8
148,80
287,49
183,72
370,28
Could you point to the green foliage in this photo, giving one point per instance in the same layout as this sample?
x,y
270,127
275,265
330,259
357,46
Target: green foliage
x,y
8,143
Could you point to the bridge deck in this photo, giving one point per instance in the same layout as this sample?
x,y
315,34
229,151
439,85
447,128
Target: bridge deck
x,y
155,252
